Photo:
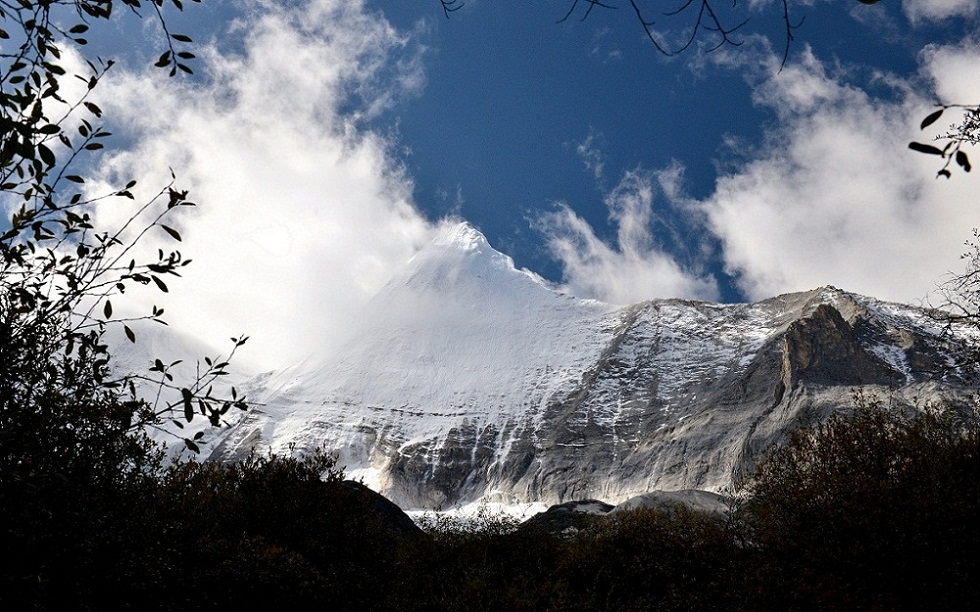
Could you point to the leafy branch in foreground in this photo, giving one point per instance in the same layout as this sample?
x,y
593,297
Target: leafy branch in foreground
x,y
966,131
61,407
198,397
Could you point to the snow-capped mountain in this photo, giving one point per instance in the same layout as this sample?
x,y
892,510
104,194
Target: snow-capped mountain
x,y
467,378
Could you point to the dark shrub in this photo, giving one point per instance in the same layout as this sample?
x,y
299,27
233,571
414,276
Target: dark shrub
x,y
652,559
868,510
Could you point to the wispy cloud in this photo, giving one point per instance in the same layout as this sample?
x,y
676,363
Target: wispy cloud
x,y
831,195
601,49
634,267
591,152
919,11
835,196
303,211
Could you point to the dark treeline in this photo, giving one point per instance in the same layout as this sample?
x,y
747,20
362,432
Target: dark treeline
x,y
867,511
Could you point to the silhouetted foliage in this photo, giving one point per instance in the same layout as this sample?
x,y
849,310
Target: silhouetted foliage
x,y
964,131
58,271
869,510
75,460
269,530
653,559
872,509
484,564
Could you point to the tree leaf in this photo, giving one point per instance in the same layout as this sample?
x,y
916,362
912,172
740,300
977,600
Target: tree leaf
x,y
188,406
173,233
160,284
46,155
963,161
193,447
93,108
107,311
931,118
924,148
129,334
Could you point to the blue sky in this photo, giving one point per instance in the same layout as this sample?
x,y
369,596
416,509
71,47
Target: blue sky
x,y
326,141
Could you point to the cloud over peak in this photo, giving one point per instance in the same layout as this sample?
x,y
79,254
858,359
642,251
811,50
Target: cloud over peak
x,y
303,210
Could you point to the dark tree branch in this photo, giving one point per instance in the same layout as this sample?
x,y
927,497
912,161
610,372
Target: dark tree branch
x,y
592,4
965,132
712,25
707,19
647,27
448,6
790,26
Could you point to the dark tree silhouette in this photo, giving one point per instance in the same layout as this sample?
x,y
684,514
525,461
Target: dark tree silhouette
x,y
871,509
60,402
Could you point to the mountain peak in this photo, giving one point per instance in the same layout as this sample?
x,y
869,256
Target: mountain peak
x,y
461,235
458,261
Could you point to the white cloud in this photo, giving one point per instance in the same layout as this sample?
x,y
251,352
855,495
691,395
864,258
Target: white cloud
x,y
590,150
600,48
835,197
918,11
303,212
953,71
634,268
832,195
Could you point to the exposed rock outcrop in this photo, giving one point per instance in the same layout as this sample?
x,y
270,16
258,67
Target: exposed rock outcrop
x,y
569,517
703,502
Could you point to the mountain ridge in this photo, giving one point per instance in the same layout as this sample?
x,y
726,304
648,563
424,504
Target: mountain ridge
x,y
468,379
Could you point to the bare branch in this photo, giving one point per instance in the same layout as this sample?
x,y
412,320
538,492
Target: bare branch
x,y
706,19
448,6
790,26
647,27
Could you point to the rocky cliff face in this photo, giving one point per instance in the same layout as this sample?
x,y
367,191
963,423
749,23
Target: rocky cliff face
x,y
469,379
